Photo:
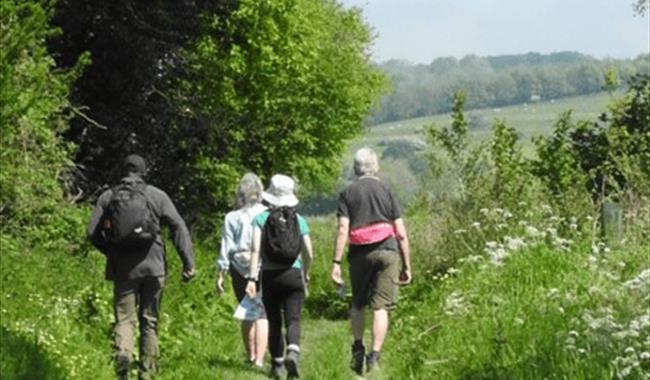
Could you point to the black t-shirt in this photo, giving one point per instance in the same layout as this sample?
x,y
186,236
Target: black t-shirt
x,y
366,201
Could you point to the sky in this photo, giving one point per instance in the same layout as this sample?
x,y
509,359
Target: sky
x,y
422,30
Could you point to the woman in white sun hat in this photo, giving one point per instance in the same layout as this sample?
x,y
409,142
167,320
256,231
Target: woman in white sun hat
x,y
281,241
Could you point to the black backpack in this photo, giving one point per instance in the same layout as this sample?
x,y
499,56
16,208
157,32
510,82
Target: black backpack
x,y
129,222
281,236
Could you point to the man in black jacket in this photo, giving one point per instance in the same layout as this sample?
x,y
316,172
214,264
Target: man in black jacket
x,y
138,273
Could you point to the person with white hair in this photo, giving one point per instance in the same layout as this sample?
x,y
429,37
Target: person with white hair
x,y
235,258
370,219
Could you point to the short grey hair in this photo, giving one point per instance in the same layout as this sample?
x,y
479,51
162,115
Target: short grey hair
x,y
249,191
365,162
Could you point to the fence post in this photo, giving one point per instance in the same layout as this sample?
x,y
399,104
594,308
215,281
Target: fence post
x,y
612,222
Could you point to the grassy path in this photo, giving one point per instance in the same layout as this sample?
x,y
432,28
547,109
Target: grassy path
x,y
325,355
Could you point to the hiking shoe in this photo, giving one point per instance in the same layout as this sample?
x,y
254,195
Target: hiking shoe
x,y
358,354
291,362
122,363
372,361
277,370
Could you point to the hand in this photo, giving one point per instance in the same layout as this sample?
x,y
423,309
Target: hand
x,y
336,274
219,283
188,274
251,289
405,277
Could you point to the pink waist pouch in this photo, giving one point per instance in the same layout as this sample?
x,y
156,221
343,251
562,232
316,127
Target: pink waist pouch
x,y
372,233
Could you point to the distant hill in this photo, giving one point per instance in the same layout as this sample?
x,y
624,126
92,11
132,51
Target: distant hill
x,y
420,90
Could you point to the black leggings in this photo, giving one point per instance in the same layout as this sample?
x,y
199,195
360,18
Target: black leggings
x,y
283,290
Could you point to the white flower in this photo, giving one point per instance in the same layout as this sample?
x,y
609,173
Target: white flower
x,y
532,231
484,211
645,355
476,225
491,244
514,243
629,350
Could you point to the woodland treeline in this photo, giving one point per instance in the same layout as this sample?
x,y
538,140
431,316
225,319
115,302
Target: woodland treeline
x,y
422,90
204,90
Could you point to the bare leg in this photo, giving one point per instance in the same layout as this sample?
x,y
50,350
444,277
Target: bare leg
x,y
248,336
261,340
379,328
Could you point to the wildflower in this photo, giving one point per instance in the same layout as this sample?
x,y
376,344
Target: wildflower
x,y
519,321
460,231
514,243
476,225
645,355
491,244
595,249
532,231
484,211
629,350
573,333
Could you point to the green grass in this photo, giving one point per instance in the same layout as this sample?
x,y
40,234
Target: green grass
x,y
529,120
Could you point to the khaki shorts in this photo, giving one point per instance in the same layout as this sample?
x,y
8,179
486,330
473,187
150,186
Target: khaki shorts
x,y
374,276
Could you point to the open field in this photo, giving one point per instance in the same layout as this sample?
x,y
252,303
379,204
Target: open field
x,y
529,119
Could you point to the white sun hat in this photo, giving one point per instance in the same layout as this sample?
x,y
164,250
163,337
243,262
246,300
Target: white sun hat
x,y
280,192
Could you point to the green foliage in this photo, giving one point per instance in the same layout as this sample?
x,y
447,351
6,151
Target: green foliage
x,y
32,118
497,81
556,164
450,156
284,85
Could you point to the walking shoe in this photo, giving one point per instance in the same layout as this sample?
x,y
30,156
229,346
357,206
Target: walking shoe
x,y
291,362
277,370
358,354
372,361
122,363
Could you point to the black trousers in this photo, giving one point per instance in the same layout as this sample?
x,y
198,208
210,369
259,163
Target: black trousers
x,y
283,294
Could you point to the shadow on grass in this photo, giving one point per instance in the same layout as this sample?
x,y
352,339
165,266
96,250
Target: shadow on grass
x,y
238,364
320,304
22,359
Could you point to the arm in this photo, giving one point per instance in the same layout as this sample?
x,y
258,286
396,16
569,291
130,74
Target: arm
x,y
251,288
94,229
307,255
403,241
180,235
342,232
223,263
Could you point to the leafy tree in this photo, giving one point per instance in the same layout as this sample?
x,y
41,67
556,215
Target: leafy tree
x,y
124,94
32,117
281,86
205,90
